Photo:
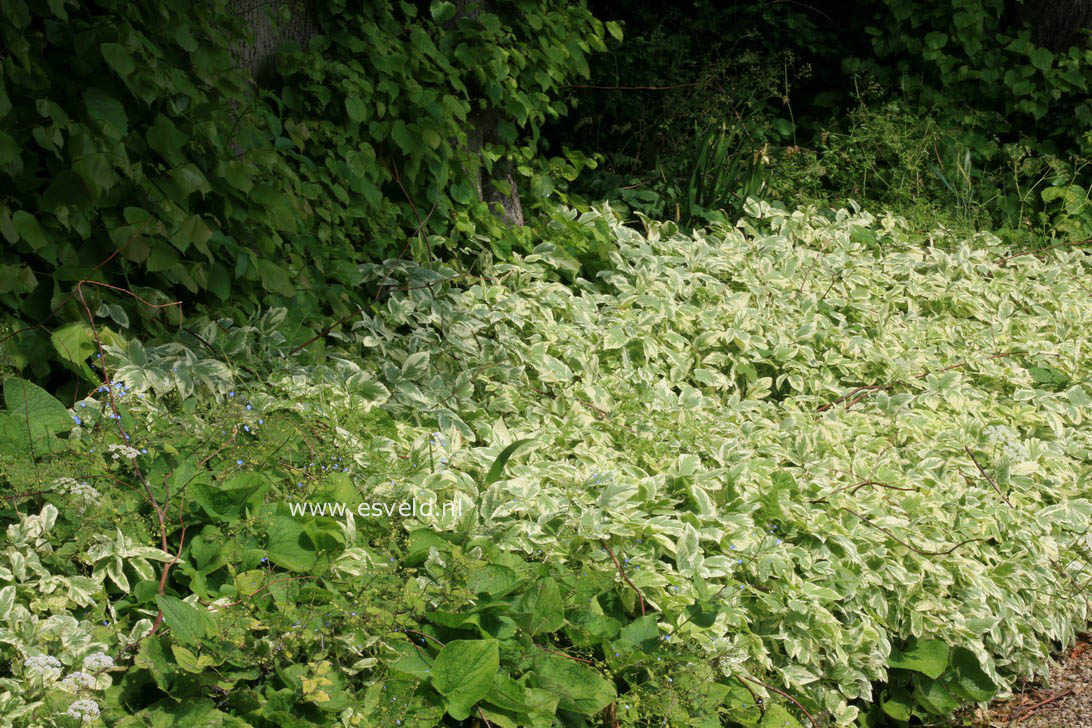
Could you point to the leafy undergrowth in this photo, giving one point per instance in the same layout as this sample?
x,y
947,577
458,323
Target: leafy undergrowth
x,y
797,471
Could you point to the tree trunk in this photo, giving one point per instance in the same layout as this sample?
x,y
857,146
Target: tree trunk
x,y
1059,24
296,24
482,130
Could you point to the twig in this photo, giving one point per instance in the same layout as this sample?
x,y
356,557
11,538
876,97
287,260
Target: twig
x,y
603,415
1031,709
844,397
562,654
857,486
899,540
622,573
329,328
1001,261
783,694
754,696
987,476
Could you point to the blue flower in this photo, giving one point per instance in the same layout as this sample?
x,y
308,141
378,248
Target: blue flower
x,y
231,394
77,419
261,422
246,428
238,462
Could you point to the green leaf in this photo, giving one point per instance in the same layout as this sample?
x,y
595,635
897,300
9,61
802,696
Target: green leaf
x,y
1041,58
897,703
642,632
118,59
188,623
9,149
932,696
275,279
32,232
494,580
289,546
926,656
442,11
183,36
463,673
404,137
162,257
35,407
229,501
66,189
614,29
539,609
970,680
357,109
777,716
935,40
578,687
219,281
107,111
164,137
1049,376
703,614
193,230
496,472
73,344
17,279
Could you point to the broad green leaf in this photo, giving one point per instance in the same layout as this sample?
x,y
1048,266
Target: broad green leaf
x,y
777,716
1041,58
442,12
970,680
540,609
579,688
356,109
493,579
35,408
496,471
932,696
925,656
289,546
32,232
897,703
107,111
118,59
9,149
463,673
189,624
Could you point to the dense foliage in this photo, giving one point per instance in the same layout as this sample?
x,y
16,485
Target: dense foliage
x,y
134,152
975,113
802,464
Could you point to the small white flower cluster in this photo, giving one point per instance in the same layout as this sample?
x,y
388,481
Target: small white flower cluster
x,y
123,451
63,485
83,710
79,680
77,489
43,665
1003,436
98,661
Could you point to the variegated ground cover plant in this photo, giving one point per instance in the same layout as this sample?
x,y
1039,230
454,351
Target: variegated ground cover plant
x,y
803,469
